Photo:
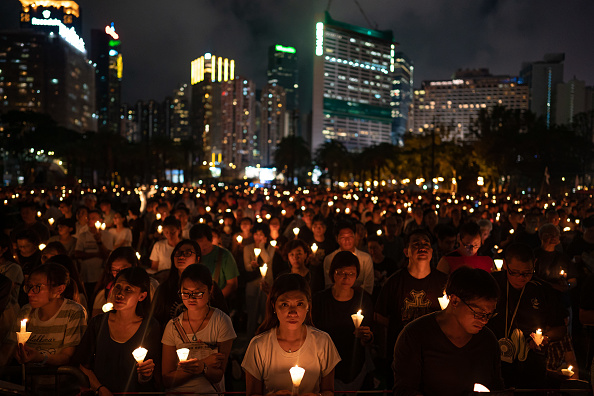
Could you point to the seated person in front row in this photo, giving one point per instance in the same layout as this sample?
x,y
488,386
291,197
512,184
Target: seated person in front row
x,y
447,352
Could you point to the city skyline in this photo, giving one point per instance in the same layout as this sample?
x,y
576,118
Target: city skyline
x,y
159,41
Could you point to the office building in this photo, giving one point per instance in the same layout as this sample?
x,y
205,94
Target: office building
x,y
353,77
402,95
570,100
106,54
283,71
274,121
454,105
542,78
180,114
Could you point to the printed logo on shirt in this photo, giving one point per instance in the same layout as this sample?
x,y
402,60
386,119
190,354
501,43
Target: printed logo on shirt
x,y
416,306
535,303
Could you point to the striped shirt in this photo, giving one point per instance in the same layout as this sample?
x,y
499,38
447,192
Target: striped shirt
x,y
65,329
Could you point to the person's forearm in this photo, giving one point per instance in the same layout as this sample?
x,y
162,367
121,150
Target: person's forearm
x,y
175,378
556,333
59,359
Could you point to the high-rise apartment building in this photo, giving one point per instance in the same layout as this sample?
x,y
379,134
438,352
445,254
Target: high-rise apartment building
x,y
454,105
402,95
106,55
570,100
283,71
542,78
353,77
180,114
274,121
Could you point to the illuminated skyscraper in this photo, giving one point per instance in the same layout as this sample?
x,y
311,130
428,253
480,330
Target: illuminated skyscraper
x,y
107,57
353,75
402,95
44,67
274,121
283,71
180,114
455,104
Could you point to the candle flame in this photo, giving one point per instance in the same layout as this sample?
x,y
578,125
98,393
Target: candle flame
x,y
480,388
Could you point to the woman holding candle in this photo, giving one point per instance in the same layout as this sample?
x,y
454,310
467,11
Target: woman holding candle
x,y
105,353
206,331
331,312
287,338
297,255
57,323
161,253
121,233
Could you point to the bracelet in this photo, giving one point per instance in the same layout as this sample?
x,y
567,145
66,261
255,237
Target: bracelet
x,y
97,390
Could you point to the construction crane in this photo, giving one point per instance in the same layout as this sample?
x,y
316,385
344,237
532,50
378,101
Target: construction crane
x,y
371,25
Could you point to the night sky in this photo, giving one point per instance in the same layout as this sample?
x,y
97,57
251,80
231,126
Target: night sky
x,y
161,37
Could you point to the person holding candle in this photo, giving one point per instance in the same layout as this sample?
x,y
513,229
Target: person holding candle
x,y
161,252
331,312
297,262
206,331
56,322
287,338
121,233
469,241
526,304
105,352
65,235
445,353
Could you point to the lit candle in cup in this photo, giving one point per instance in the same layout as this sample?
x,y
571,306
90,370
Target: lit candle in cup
x,y
296,231
257,252
41,246
263,270
160,229
357,319
480,388
379,232
296,377
103,226
97,224
498,264
239,239
568,371
107,307
273,243
139,354
158,216
23,335
182,354
50,221
563,273
138,255
537,337
443,301
314,248
24,326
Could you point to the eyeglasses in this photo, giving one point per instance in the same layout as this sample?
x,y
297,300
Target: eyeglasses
x,y
517,274
342,274
184,253
192,295
35,289
480,315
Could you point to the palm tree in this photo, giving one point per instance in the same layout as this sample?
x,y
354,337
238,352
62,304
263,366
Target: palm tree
x,y
291,154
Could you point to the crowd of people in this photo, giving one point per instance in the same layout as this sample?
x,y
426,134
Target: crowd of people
x,y
418,293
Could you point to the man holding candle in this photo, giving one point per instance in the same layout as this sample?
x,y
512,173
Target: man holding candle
x,y
411,292
526,304
447,352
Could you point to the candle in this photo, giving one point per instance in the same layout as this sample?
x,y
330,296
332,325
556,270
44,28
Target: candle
x,y
208,208
41,246
357,319
239,238
103,226
182,354
139,354
24,326
97,224
38,212
537,337
138,255
563,273
512,231
23,335
480,388
379,232
443,301
160,229
296,231
314,248
50,221
257,252
568,371
107,307
263,270
283,212
498,264
221,221
158,216
273,243
296,376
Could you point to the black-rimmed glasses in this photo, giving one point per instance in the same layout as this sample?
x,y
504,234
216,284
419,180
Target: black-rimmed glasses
x,y
192,295
184,253
480,315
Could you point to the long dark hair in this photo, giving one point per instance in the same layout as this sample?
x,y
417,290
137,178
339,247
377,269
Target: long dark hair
x,y
138,277
74,288
284,284
123,252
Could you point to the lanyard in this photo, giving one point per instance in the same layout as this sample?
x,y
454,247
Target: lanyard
x,y
508,329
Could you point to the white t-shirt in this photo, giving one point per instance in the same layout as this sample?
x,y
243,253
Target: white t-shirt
x,y
218,329
162,253
91,269
266,361
121,236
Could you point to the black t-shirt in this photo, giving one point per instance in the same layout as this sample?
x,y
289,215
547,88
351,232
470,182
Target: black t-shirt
x,y
334,317
539,307
405,298
427,362
113,362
